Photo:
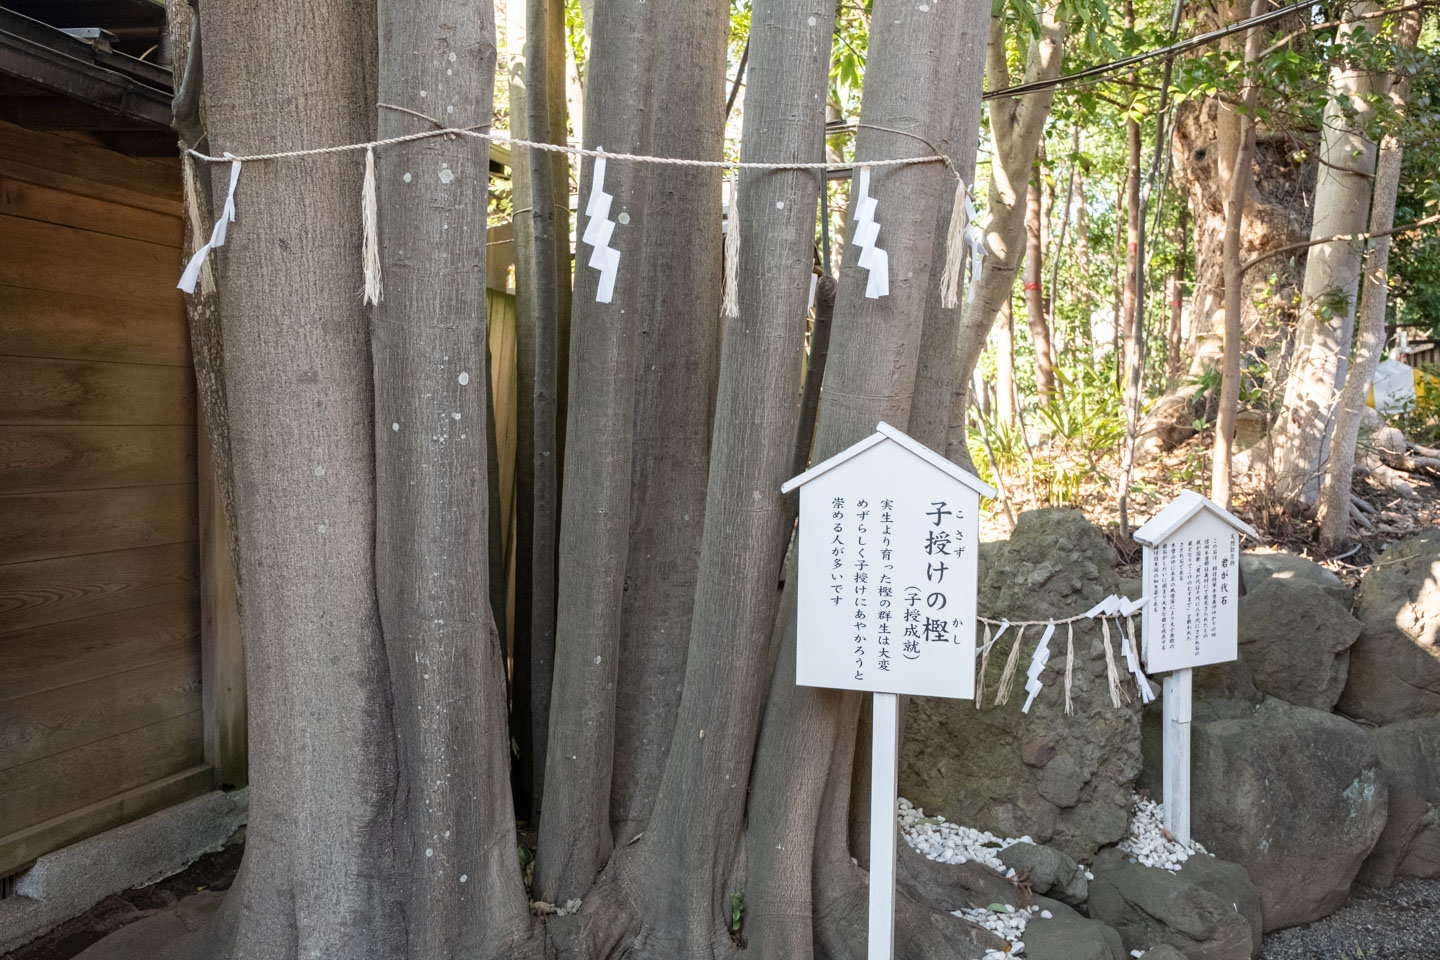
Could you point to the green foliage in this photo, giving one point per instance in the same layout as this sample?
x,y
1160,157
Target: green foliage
x,y
737,913
1086,415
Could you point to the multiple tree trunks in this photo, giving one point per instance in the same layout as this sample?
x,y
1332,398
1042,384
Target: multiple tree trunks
x,y
381,818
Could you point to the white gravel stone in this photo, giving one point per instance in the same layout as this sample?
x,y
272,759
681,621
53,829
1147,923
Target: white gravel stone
x,y
1149,843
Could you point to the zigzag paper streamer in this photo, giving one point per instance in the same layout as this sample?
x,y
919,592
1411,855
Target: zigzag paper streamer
x,y
1037,667
875,261
977,250
598,231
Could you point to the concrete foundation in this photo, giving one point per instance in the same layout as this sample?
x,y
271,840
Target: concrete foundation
x,y
68,882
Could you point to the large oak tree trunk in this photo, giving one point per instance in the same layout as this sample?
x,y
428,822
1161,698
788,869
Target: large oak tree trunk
x,y
1332,276
432,523
318,875
575,836
1334,503
678,352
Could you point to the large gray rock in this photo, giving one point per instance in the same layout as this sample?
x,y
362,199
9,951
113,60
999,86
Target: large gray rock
x,y
1295,640
1410,765
1047,870
1208,910
1294,795
1066,938
1395,665
1064,781
1256,568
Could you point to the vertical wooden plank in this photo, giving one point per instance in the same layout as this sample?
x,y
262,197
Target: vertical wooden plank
x,y
884,770
222,650
1176,779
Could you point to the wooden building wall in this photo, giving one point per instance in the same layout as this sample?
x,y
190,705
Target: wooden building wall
x,y
101,715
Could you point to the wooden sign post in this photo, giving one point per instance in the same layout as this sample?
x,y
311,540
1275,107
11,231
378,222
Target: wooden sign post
x,y
1192,586
889,537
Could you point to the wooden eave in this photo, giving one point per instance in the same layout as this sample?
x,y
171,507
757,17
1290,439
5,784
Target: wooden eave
x,y
88,73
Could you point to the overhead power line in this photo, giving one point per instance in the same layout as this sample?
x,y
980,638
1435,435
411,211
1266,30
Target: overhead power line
x,y
1199,40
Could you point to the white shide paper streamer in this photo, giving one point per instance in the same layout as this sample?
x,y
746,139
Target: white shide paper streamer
x,y
598,231
1037,667
217,235
875,261
977,250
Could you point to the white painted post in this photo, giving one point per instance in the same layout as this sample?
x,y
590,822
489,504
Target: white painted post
x,y
1177,754
884,772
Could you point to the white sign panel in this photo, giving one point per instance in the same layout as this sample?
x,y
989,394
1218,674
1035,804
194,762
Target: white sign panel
x,y
888,546
1192,580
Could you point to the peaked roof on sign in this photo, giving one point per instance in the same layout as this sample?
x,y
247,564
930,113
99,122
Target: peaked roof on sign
x,y
1181,509
883,432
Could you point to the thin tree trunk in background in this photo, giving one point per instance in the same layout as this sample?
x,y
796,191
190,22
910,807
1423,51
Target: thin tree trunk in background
x,y
1130,337
541,182
575,836
318,873
1059,255
1005,407
814,377
1017,125
1334,503
1174,360
1241,175
1332,276
1082,262
678,356
1034,289
222,648
938,377
1118,279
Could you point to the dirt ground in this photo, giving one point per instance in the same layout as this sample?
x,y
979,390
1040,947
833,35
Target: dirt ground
x,y
1399,923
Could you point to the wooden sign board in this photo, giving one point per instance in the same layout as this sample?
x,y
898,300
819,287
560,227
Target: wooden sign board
x,y
889,532
888,540
1192,584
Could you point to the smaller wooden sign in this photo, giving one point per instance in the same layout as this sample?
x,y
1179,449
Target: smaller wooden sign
x,y
1192,584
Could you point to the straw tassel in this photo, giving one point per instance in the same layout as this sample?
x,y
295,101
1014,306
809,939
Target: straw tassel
x,y
1112,674
954,250
1069,666
1141,681
730,303
1007,679
984,662
370,251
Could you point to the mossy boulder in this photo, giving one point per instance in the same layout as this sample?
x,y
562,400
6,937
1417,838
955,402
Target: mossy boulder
x,y
1065,781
